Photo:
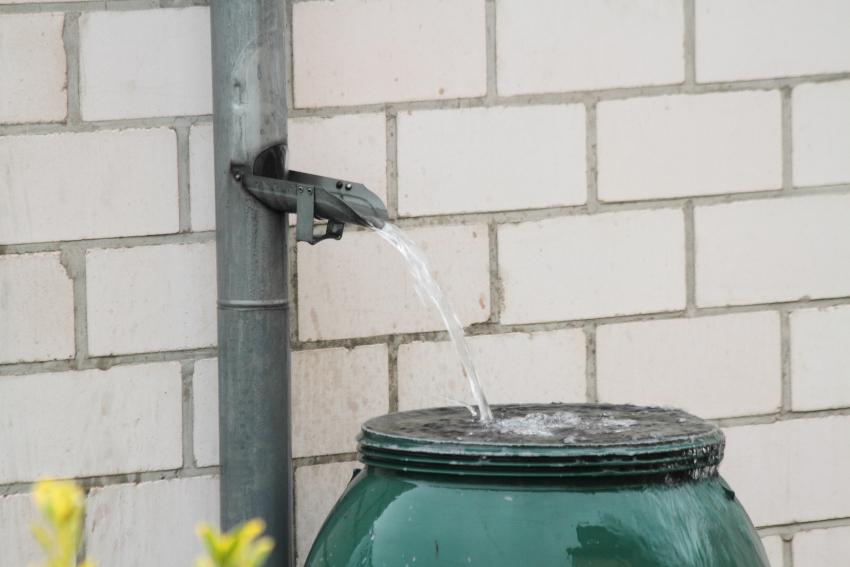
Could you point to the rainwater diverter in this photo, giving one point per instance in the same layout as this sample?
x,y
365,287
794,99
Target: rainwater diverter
x,y
586,485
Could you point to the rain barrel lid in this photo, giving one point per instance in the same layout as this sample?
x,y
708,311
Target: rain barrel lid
x,y
545,440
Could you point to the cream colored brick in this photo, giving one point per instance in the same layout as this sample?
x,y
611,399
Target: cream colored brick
x,y
17,514
317,489
32,69
512,368
490,159
819,548
776,250
333,392
360,287
97,184
568,45
140,63
36,308
821,126
205,412
770,38
350,52
674,146
790,471
352,147
581,267
201,177
151,298
723,366
152,523
820,358
773,549
92,422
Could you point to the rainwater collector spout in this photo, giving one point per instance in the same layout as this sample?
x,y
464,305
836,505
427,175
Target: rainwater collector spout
x,y
254,190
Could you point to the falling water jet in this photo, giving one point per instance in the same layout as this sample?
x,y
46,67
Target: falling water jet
x,y
429,290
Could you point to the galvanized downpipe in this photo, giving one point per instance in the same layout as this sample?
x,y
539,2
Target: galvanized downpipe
x,y
253,326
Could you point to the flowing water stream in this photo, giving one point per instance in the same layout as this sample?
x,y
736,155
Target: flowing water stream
x,y
429,290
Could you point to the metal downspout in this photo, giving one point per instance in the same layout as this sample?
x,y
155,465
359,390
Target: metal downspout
x,y
253,315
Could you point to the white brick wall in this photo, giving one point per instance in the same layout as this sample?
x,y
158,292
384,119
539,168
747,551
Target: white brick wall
x,y
711,366
821,547
98,184
317,489
17,514
333,392
152,523
529,157
674,146
338,298
90,423
778,250
37,301
622,43
358,52
770,38
145,63
151,298
790,471
205,412
547,155
513,368
32,69
820,358
592,266
773,548
821,117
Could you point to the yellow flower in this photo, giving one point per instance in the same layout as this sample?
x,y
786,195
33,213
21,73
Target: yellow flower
x,y
62,506
237,548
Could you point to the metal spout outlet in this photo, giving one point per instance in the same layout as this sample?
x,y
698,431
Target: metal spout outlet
x,y
310,196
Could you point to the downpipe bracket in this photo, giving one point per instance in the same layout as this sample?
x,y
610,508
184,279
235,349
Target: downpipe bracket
x,y
309,196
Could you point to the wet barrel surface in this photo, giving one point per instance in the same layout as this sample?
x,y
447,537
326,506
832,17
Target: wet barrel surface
x,y
581,485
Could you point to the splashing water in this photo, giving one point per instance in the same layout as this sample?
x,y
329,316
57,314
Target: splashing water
x,y
428,289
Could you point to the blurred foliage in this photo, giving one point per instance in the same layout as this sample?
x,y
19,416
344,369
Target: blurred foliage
x,y
62,507
240,547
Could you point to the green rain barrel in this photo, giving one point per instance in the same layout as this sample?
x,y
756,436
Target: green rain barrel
x,y
586,485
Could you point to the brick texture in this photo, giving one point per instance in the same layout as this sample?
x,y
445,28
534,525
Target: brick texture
x,y
333,392
317,488
622,43
17,514
770,38
37,302
32,69
152,523
778,250
513,368
821,547
98,184
121,420
397,53
584,267
201,177
151,298
711,366
821,126
820,358
675,146
205,412
150,63
529,157
790,471
458,256
773,548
